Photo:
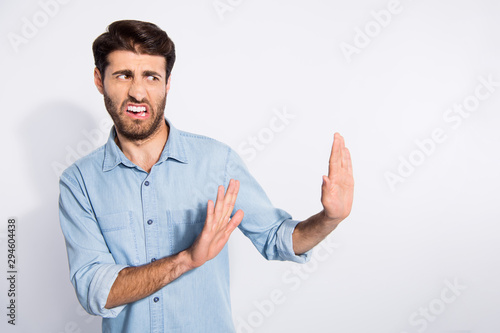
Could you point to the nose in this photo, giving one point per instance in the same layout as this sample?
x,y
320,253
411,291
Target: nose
x,y
137,90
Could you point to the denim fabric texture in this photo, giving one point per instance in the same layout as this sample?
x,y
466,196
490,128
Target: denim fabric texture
x,y
113,214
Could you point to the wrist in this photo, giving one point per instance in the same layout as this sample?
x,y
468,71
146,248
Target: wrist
x,y
329,220
185,261
179,265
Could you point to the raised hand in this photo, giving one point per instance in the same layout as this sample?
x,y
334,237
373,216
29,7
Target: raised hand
x,y
338,187
218,225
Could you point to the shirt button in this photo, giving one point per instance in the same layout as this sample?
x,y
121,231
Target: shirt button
x,y
156,299
150,221
153,260
146,183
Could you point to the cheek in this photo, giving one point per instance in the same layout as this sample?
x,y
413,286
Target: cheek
x,y
116,89
157,94
116,94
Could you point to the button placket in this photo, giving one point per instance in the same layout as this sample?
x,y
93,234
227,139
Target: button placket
x,y
150,218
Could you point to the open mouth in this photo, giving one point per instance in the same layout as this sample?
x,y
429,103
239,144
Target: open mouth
x,y
137,111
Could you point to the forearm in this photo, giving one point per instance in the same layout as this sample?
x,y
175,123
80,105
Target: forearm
x,y
337,193
135,283
311,232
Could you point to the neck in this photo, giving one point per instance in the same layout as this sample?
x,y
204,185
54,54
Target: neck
x,y
144,153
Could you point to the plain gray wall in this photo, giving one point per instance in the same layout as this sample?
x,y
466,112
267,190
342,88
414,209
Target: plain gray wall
x,y
414,87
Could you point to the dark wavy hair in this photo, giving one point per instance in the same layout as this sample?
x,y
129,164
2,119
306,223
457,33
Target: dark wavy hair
x,y
136,36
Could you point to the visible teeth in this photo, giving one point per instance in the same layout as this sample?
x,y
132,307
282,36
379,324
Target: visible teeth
x,y
136,108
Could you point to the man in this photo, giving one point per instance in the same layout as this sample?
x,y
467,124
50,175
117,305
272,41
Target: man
x,y
146,245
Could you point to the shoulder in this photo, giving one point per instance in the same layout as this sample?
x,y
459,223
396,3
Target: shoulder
x,y
202,143
92,161
201,139
202,148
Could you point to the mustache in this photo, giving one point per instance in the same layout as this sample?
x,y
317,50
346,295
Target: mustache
x,y
135,101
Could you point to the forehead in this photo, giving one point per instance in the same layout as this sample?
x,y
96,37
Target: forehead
x,y
121,60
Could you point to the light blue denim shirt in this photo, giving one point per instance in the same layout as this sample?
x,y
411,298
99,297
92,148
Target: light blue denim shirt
x,y
114,214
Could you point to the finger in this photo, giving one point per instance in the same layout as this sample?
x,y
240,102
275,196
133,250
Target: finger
x,y
235,221
228,195
326,186
210,214
334,163
230,199
326,181
342,147
348,161
219,204
231,188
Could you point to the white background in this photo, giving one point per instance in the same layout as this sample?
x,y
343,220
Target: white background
x,y
402,246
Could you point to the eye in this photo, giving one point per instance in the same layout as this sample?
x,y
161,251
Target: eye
x,y
152,78
123,77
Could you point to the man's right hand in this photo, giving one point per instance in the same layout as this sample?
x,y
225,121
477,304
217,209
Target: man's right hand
x,y
218,226
135,283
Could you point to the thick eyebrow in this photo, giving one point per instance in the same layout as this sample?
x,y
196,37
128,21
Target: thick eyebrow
x,y
151,73
127,72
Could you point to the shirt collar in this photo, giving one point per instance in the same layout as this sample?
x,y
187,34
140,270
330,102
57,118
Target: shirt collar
x,y
174,148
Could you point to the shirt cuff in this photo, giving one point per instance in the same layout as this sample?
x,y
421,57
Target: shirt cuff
x,y
99,290
285,243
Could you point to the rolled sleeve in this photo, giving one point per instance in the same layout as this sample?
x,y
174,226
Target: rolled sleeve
x,y
99,289
284,243
93,269
269,228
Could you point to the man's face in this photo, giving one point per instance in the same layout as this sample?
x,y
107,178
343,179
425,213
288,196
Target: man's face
x,y
135,91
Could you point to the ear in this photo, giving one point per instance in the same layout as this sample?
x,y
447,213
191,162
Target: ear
x,y
98,81
168,82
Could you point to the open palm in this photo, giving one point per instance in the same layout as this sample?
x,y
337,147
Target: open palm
x,y
338,187
218,225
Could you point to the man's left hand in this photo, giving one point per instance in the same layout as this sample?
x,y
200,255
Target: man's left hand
x,y
338,187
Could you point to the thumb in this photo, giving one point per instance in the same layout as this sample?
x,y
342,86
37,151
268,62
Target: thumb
x,y
326,181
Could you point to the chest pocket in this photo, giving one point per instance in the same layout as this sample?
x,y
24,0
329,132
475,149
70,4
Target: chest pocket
x,y
184,226
120,236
